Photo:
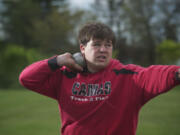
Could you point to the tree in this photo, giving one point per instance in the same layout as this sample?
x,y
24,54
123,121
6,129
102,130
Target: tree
x,y
17,19
143,23
43,24
55,33
169,22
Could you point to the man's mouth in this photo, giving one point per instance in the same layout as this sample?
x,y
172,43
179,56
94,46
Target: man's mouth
x,y
101,58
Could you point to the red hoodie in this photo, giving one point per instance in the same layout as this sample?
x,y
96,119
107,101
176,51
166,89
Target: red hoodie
x,y
102,103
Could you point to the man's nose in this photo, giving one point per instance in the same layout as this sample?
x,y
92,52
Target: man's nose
x,y
102,48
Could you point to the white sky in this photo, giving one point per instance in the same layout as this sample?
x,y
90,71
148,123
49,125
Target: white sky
x,y
81,3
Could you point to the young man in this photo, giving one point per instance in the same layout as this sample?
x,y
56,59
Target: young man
x,y
105,97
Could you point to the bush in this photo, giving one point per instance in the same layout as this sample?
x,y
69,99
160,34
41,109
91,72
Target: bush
x,y
13,59
168,52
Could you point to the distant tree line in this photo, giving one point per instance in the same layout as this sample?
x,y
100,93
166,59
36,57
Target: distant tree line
x,y
141,26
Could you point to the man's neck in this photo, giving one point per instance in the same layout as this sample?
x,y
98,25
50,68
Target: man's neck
x,y
93,69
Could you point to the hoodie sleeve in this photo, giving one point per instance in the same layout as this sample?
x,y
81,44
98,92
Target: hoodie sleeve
x,y
155,80
43,77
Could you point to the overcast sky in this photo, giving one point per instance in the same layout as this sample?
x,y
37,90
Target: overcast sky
x,y
81,3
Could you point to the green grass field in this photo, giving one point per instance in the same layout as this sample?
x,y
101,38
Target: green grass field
x,y
24,112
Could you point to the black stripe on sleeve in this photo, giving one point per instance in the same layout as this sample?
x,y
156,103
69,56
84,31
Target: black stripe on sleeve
x,y
177,76
52,63
124,71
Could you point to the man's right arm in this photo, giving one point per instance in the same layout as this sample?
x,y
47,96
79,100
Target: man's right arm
x,y
43,76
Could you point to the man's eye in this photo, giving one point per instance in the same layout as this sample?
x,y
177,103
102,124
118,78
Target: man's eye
x,y
97,44
108,45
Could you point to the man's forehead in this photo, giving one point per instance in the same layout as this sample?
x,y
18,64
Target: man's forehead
x,y
101,40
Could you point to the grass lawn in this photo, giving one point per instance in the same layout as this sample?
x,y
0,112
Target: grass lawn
x,y
27,113
161,116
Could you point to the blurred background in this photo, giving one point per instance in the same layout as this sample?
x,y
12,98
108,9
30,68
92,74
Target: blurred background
x,y
147,32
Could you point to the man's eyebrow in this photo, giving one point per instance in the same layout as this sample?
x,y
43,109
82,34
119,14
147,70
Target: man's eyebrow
x,y
97,41
108,41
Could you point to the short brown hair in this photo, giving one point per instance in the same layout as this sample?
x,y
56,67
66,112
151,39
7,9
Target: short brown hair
x,y
95,30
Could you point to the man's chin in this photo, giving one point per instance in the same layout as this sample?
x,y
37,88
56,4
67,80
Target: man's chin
x,y
101,65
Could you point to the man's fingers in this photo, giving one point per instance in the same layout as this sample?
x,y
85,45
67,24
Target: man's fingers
x,y
67,60
74,66
78,67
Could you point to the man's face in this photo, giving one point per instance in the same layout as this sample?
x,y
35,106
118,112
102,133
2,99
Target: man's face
x,y
97,54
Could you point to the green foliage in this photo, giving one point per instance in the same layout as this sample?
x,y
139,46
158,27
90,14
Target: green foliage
x,y
56,32
17,19
168,52
12,60
45,25
52,34
115,54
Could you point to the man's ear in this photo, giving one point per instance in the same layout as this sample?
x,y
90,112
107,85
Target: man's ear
x,y
82,48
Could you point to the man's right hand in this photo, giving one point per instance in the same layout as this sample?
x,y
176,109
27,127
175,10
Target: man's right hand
x,y
67,60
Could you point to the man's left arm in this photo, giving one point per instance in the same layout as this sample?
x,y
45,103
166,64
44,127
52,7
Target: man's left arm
x,y
157,79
